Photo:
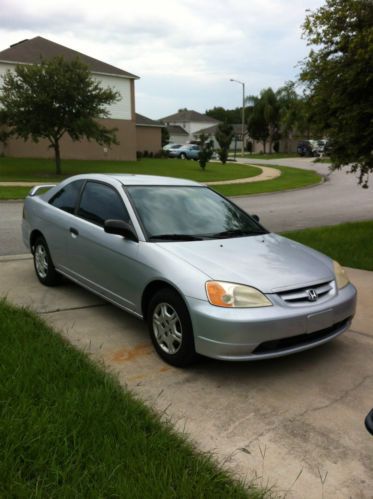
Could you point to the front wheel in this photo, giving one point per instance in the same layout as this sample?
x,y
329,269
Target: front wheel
x,y
44,268
171,329
183,156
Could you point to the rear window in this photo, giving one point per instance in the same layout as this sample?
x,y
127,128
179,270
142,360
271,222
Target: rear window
x,y
66,198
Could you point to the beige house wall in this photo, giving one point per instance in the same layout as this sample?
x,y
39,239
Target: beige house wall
x,y
126,150
149,138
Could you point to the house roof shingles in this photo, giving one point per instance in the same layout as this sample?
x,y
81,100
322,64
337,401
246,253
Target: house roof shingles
x,y
33,50
188,115
176,130
144,121
211,130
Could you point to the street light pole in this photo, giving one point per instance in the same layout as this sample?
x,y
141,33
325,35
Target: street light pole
x,y
243,114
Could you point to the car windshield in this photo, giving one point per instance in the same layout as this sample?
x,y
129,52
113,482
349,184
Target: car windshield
x,y
176,213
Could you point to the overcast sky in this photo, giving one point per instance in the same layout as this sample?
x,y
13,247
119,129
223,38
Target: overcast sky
x,y
185,51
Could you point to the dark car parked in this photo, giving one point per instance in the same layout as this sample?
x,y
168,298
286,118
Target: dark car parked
x,y
308,148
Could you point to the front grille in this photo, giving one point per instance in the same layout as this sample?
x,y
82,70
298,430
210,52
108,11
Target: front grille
x,y
274,346
301,296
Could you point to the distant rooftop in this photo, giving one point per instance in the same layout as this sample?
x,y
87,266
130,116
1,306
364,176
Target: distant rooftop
x,y
144,121
176,130
188,115
33,50
211,130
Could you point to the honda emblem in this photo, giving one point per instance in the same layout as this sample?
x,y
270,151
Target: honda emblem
x,y
312,295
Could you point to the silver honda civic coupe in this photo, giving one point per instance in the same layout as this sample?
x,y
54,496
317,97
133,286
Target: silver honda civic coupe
x,y
207,277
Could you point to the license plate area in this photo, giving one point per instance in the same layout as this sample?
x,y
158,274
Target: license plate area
x,y
320,320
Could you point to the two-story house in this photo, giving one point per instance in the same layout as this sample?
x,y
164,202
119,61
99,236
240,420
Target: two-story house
x,y
121,114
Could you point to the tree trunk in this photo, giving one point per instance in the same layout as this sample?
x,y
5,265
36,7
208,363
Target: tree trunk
x,y
57,157
264,146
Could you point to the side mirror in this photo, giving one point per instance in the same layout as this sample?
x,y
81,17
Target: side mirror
x,y
369,422
255,217
121,228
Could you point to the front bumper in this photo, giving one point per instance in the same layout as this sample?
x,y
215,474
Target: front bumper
x,y
259,333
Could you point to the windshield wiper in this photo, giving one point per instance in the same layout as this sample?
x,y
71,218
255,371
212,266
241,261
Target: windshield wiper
x,y
175,237
238,233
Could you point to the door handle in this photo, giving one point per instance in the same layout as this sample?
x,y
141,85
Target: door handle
x,y
74,232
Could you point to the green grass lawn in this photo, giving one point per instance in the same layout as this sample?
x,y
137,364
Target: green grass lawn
x,y
7,193
35,170
290,178
69,430
351,244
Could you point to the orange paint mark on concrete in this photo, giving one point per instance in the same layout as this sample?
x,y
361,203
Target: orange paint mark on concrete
x,y
164,369
129,354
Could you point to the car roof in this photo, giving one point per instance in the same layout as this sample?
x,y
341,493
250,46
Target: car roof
x,y
134,179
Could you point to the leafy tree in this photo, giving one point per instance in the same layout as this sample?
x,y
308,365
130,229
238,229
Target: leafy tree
x,y
264,117
54,98
339,79
224,136
4,132
271,112
294,113
256,123
231,116
165,137
289,108
205,150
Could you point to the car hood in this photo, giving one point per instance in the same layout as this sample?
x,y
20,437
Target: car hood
x,y
268,262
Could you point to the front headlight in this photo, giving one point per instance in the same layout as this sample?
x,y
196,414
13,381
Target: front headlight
x,y
230,295
340,275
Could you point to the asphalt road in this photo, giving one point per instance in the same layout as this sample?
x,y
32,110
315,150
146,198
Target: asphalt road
x,y
337,200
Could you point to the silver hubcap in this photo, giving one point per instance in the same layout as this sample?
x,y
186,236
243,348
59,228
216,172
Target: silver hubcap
x,y
41,262
167,328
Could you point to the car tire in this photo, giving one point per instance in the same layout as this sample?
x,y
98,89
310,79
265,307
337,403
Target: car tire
x,y
170,328
43,264
183,156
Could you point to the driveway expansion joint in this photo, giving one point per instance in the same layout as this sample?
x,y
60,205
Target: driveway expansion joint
x,y
366,335
56,310
308,410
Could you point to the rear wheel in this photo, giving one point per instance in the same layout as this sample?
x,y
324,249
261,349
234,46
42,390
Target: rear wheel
x,y
44,268
183,156
171,329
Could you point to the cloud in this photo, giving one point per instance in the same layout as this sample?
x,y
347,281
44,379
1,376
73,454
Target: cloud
x,y
184,51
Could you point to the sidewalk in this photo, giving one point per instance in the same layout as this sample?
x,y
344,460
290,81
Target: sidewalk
x,y
268,173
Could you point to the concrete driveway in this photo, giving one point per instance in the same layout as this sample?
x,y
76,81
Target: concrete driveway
x,y
339,199
300,416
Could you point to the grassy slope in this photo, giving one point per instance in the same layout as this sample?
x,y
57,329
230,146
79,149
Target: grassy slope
x,y
351,244
69,430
